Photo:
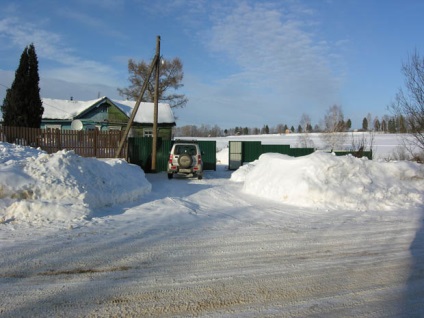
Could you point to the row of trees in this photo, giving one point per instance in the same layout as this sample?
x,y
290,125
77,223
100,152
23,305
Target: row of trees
x,y
388,124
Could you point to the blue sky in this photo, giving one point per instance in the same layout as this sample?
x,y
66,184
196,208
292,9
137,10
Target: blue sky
x,y
246,63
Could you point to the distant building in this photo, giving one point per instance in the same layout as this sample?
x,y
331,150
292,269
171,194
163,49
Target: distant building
x,y
105,114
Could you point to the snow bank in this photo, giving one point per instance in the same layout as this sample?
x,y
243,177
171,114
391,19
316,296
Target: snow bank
x,y
36,186
323,180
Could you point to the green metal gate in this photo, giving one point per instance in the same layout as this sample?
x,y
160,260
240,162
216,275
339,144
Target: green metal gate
x,y
140,153
248,151
251,150
208,148
235,154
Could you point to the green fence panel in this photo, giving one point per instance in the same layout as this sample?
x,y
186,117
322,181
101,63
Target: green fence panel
x,y
208,148
367,154
299,152
283,149
251,150
140,152
162,154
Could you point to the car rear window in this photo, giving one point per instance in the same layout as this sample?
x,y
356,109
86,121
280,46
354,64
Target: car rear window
x,y
181,149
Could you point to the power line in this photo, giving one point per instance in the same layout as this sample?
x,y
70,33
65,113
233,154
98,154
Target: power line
x,y
44,103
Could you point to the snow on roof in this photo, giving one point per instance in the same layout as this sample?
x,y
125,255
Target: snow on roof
x,y
64,109
68,109
145,111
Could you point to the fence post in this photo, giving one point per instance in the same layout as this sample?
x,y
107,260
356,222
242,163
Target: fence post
x,y
58,138
96,135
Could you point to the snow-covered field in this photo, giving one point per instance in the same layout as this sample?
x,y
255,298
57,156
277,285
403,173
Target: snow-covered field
x,y
315,236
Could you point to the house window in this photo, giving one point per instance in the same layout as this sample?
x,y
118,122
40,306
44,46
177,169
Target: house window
x,y
147,132
52,127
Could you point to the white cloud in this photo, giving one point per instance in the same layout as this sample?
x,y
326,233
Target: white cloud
x,y
61,89
274,66
275,48
50,47
58,88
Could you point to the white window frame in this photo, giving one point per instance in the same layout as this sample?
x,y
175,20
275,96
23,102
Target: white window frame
x,y
147,132
53,126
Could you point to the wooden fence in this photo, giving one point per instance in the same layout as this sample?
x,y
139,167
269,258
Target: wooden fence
x,y
92,143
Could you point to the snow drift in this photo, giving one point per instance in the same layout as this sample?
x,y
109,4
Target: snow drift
x,y
63,186
38,187
323,180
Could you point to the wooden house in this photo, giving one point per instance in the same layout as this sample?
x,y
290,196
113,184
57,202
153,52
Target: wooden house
x,y
105,114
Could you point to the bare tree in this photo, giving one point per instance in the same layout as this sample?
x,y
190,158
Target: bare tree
x,y
362,142
409,103
305,122
280,129
305,141
334,119
171,76
334,135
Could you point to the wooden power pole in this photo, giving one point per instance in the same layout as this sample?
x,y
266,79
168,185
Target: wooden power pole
x,y
156,107
155,63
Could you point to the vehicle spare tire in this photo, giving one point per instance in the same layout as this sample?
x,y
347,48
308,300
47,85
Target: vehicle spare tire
x,y
185,161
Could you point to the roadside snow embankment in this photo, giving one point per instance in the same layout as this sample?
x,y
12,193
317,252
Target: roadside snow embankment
x,y
323,180
35,186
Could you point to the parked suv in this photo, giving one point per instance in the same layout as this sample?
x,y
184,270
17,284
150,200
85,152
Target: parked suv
x,y
185,158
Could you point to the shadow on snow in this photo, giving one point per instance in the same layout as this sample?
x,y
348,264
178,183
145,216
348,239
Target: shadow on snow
x,y
414,304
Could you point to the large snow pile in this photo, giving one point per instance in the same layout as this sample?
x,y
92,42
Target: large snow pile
x,y
36,186
323,180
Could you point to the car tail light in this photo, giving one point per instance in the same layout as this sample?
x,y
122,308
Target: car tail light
x,y
170,158
199,159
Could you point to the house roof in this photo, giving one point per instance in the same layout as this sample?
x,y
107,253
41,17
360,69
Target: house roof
x,y
70,109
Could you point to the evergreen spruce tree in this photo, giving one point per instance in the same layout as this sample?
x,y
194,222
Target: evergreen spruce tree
x,y
377,124
348,124
299,129
365,124
384,125
309,128
22,106
392,126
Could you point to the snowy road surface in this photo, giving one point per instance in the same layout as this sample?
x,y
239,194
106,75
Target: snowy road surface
x,y
204,248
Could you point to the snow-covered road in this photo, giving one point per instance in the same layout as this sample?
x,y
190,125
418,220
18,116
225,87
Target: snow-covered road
x,y
205,248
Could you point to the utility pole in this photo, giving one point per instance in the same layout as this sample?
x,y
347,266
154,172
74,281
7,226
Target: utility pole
x,y
156,107
155,62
